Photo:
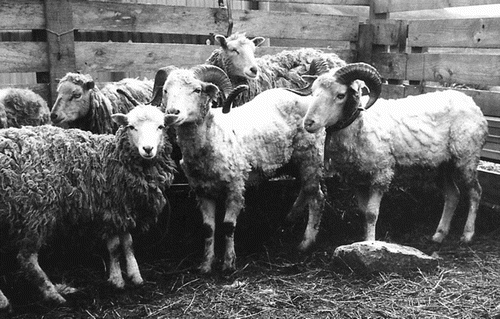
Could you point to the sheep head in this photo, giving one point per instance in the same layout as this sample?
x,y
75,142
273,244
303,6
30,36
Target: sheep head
x,y
73,98
239,54
145,126
336,96
189,94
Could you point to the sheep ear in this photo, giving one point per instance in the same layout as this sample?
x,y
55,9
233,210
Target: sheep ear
x,y
120,119
221,40
258,41
360,87
89,85
211,90
309,78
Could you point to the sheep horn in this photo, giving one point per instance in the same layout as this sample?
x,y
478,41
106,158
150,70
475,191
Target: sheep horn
x,y
160,78
128,96
226,107
215,75
365,72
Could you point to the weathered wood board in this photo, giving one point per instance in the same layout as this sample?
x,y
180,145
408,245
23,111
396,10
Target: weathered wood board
x,y
386,6
23,57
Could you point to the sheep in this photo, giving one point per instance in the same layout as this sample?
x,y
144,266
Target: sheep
x,y
80,104
284,69
443,131
20,107
223,153
54,179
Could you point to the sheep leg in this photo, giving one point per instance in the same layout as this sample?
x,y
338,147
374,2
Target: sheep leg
x,y
315,202
132,267
451,198
474,195
207,207
234,204
4,303
298,207
369,203
115,271
29,264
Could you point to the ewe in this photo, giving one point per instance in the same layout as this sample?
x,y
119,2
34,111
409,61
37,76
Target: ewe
x,y
223,153
80,104
442,130
19,107
52,178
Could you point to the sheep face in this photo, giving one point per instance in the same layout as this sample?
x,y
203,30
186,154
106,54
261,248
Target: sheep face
x,y
73,100
239,54
145,126
329,101
187,99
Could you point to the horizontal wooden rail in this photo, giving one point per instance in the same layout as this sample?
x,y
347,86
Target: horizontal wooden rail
x,y
387,6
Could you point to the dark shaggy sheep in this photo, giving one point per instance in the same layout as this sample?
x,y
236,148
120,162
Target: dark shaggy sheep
x,y
19,107
80,104
52,177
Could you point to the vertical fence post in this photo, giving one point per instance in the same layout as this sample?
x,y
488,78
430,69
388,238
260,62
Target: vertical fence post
x,y
61,42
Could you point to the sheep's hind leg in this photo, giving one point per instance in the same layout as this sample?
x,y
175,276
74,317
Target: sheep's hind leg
x,y
451,199
298,207
115,271
474,194
30,266
316,203
233,208
132,267
369,202
207,207
4,303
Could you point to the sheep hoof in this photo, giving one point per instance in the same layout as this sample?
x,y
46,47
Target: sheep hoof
x,y
64,289
137,280
304,245
205,268
117,283
466,238
228,268
438,237
55,297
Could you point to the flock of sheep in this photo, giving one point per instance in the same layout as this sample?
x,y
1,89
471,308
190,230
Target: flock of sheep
x,y
106,159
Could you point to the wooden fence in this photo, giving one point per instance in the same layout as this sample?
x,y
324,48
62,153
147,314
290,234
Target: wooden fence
x,y
41,40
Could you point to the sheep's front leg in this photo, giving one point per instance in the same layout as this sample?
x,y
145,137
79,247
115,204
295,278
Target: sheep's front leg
x,y
369,203
316,202
451,199
115,271
207,207
474,197
30,266
234,204
132,267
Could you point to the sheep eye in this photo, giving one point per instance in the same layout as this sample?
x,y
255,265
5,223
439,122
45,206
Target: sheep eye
x,y
197,90
75,96
131,127
235,51
161,127
340,96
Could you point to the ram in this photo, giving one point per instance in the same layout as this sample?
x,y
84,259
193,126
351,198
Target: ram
x,y
444,131
223,153
19,107
53,177
80,104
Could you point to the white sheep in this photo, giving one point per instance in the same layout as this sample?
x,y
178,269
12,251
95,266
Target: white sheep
x,y
53,177
223,153
19,107
284,69
80,104
442,130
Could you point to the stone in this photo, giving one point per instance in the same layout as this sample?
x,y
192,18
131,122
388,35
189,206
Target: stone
x,y
378,256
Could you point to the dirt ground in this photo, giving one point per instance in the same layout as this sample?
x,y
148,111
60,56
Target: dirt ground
x,y
272,279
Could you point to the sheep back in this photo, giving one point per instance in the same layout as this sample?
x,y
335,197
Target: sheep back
x,y
51,177
23,107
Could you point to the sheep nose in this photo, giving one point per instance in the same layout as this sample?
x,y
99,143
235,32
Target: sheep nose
x,y
173,111
308,123
254,70
147,149
53,116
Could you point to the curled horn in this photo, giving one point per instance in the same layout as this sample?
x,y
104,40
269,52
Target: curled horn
x,y
226,107
365,72
128,96
160,78
215,75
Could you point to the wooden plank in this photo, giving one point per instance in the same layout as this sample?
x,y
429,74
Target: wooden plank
x,y
22,15
329,2
471,33
23,57
454,68
390,65
493,125
296,25
490,182
392,33
387,6
147,57
97,15
61,41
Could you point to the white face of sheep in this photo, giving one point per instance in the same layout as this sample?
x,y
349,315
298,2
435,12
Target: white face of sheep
x,y
72,102
186,98
240,51
145,127
329,98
